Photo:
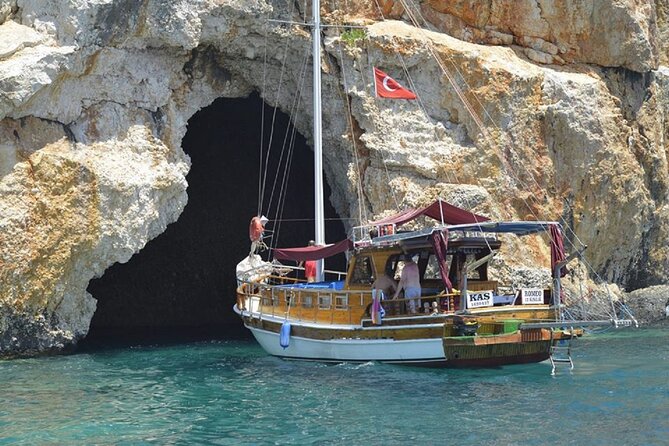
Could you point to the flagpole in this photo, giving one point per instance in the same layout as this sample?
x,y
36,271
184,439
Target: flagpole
x,y
319,216
376,94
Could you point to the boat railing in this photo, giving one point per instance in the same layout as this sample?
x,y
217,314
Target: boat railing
x,y
284,296
280,273
287,297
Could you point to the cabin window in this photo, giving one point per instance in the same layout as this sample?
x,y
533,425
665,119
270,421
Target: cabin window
x,y
324,302
341,302
432,268
391,265
399,266
362,271
307,302
478,273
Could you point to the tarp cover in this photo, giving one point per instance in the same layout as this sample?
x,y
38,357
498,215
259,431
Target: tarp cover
x,y
557,250
452,215
312,252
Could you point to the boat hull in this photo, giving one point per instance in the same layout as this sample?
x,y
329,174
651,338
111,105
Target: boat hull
x,y
363,345
417,351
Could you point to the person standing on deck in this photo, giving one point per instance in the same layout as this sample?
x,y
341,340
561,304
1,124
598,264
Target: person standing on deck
x,y
388,286
310,267
256,231
410,283
385,284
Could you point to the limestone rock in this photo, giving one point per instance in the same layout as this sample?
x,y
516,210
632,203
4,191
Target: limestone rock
x,y
602,32
28,72
95,97
7,8
650,304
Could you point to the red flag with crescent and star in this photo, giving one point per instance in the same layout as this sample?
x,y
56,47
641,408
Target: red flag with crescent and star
x,y
387,87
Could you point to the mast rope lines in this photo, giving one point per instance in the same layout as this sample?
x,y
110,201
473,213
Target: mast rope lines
x,y
412,11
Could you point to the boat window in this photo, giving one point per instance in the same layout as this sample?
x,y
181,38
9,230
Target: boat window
x,y
324,301
307,302
341,302
474,274
391,265
398,264
362,271
432,268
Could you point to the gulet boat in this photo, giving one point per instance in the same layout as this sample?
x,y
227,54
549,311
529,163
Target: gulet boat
x,y
478,322
461,316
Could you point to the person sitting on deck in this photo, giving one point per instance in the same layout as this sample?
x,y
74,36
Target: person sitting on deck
x,y
410,283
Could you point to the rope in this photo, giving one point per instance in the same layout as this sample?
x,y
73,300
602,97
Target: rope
x,y
262,120
344,96
276,103
290,142
452,176
508,169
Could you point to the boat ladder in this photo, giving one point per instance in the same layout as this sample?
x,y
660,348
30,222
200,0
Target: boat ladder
x,y
561,354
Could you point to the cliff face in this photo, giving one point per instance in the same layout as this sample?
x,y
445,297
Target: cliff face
x,y
95,98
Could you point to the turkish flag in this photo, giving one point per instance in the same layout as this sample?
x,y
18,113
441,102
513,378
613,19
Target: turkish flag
x,y
387,87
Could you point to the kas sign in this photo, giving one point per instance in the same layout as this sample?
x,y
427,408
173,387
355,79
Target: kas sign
x,y
532,296
479,299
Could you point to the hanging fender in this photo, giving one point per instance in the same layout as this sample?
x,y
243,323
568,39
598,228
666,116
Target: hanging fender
x,y
284,335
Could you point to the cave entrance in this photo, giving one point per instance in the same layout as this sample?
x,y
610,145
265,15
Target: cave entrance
x,y
182,284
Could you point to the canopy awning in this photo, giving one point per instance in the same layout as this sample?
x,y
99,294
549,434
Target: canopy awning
x,y
439,210
312,252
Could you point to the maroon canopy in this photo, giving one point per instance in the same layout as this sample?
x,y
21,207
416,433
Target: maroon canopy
x,y
312,252
452,215
439,240
557,250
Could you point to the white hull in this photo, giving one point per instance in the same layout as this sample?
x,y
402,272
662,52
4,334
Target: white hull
x,y
357,350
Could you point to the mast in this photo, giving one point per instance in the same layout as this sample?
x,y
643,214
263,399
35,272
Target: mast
x,y
319,214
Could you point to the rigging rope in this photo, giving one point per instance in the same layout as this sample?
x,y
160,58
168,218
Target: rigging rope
x,y
291,148
262,120
454,179
276,105
510,171
345,98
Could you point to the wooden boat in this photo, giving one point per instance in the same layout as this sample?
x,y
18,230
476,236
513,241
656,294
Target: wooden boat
x,y
334,320
342,317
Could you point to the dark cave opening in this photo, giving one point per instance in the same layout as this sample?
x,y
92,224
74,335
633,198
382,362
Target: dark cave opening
x,y
182,284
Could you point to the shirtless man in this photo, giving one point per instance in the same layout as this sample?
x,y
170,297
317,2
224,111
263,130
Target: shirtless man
x,y
385,284
410,283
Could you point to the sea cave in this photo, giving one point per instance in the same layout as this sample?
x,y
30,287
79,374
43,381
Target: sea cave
x,y
181,285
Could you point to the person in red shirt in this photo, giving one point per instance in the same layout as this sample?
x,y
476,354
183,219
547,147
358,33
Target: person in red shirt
x,y
256,229
310,267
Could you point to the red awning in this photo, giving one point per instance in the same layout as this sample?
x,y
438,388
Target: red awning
x,y
312,252
452,215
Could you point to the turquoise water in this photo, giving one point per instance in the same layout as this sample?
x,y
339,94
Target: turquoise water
x,y
233,393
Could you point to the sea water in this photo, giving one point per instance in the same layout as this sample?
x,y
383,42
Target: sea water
x,y
231,392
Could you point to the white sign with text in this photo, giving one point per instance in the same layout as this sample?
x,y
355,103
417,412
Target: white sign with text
x,y
532,296
479,299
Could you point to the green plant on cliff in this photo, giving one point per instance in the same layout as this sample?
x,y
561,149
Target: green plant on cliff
x,y
352,35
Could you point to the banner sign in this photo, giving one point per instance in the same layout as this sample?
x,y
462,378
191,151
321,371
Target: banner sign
x,y
479,299
532,296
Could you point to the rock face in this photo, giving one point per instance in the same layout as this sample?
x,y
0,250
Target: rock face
x,y
650,304
572,99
